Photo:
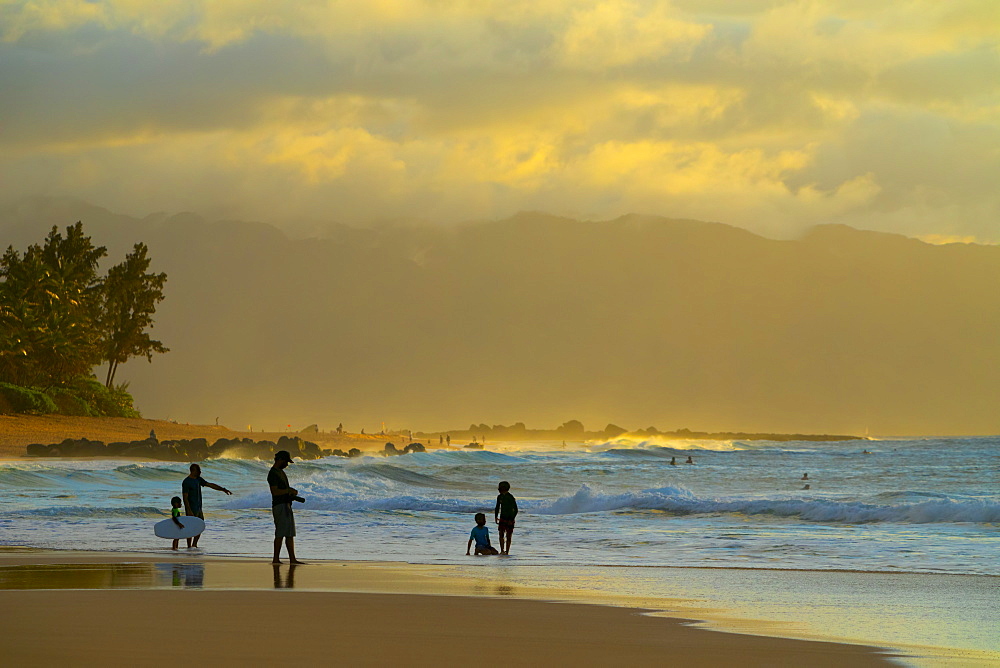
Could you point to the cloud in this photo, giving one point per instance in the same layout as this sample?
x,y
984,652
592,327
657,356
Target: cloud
x,y
772,115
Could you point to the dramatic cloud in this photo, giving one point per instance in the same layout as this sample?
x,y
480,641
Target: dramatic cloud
x,y
771,115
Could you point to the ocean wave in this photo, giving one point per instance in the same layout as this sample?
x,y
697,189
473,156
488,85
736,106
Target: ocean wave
x,y
672,500
18,477
680,501
96,512
438,457
350,501
405,476
149,472
650,442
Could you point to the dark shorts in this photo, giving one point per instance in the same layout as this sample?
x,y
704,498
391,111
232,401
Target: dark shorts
x,y
505,526
284,521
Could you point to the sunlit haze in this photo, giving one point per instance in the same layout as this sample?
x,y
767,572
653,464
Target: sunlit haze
x,y
436,214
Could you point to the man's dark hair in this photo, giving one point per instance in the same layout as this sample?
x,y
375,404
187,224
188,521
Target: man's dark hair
x,y
194,466
504,486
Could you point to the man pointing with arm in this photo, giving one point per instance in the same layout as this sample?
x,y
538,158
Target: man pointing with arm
x,y
191,493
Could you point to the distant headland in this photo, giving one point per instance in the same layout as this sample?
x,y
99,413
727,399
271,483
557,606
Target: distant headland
x,y
75,436
575,431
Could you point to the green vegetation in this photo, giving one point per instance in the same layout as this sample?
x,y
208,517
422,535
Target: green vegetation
x,y
59,319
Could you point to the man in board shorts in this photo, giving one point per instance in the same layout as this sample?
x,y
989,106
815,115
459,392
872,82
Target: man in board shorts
x,y
282,495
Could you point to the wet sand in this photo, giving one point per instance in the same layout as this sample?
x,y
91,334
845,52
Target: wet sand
x,y
144,609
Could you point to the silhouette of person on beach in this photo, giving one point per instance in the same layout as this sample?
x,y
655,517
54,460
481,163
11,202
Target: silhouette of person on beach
x,y
504,514
191,492
448,438
175,513
480,534
282,495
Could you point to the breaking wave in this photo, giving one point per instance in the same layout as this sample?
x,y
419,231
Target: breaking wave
x,y
672,500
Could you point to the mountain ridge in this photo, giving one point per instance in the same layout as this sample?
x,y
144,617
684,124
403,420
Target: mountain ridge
x,y
640,319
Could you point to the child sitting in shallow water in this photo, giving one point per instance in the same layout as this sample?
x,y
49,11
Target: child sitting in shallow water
x,y
481,535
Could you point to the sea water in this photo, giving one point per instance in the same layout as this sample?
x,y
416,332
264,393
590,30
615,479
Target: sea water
x,y
927,505
737,529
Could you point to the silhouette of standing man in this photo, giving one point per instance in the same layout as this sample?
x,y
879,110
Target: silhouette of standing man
x,y
282,495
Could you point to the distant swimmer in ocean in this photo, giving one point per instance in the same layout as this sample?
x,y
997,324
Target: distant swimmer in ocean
x,y
805,476
865,452
481,535
806,486
673,461
689,460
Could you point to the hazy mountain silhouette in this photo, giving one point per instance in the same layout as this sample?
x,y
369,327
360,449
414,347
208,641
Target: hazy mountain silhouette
x,y
637,321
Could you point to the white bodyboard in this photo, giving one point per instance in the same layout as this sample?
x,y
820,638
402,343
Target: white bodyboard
x,y
168,529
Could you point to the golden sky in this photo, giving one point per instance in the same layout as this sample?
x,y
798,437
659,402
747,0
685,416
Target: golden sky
x,y
771,115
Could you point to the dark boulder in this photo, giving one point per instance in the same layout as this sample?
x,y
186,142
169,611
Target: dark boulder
x,y
38,450
116,448
310,450
415,447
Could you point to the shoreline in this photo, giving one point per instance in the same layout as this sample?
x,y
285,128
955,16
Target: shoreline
x,y
434,604
493,579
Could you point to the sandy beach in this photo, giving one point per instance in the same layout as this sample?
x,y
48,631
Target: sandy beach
x,y
71,610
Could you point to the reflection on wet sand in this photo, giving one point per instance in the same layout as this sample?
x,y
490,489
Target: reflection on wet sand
x,y
190,575
78,576
103,576
288,582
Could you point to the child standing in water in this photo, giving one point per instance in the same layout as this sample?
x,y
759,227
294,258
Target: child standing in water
x,y
504,514
481,535
175,513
